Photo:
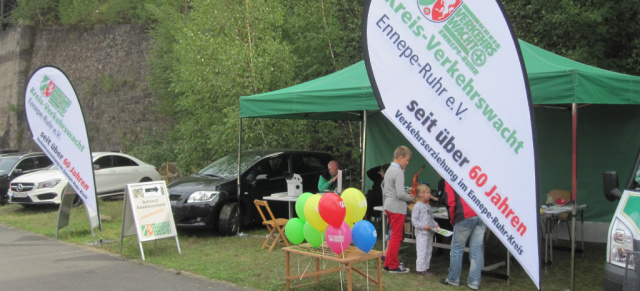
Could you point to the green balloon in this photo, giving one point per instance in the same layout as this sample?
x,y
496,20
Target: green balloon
x,y
300,205
312,235
293,230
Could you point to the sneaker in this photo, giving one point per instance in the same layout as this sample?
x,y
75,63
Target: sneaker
x,y
426,273
386,269
472,287
446,282
399,270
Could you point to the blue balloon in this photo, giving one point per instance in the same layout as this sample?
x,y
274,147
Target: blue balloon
x,y
364,235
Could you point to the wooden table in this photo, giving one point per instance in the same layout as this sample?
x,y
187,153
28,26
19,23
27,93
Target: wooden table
x,y
347,259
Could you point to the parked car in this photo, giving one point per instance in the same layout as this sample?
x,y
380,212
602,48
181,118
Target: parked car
x,y
112,171
208,199
13,165
622,263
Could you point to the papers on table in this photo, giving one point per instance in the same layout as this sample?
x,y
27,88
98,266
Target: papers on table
x,y
555,209
280,195
443,232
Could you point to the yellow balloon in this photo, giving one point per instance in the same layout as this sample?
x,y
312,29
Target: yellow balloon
x,y
356,204
350,224
312,215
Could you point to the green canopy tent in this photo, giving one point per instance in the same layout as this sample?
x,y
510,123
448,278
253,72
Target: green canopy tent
x,y
608,127
609,130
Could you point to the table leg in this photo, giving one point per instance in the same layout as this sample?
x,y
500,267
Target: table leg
x,y
551,242
379,274
317,269
290,210
582,231
384,232
286,266
546,240
349,276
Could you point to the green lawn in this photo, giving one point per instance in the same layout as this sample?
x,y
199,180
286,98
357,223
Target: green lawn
x,y
239,259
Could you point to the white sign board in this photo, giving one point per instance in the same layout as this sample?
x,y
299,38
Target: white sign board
x,y
147,213
450,77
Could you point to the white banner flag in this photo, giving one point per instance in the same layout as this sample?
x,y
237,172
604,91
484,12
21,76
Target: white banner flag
x,y
450,77
57,125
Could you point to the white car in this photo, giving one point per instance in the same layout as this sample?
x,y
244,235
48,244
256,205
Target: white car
x,y
113,171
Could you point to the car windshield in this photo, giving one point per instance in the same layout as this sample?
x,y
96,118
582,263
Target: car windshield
x,y
227,167
7,163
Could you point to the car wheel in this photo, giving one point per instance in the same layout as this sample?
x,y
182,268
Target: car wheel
x,y
145,179
228,221
77,201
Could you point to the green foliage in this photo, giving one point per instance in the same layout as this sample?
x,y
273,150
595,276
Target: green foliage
x,y
596,32
208,53
38,12
216,51
82,12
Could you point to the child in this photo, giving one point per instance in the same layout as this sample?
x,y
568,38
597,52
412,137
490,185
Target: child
x,y
395,206
423,222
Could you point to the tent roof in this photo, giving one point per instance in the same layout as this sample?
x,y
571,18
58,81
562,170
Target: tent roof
x,y
557,80
343,95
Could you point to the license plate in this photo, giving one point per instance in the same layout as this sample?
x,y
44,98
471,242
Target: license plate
x,y
19,194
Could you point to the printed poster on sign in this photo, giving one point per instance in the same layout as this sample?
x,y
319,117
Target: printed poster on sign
x,y
151,210
57,125
449,76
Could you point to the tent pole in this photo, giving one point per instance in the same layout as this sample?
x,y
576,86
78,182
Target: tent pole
x,y
574,169
238,180
363,147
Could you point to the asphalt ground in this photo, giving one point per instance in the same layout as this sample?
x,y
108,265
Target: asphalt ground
x,y
34,262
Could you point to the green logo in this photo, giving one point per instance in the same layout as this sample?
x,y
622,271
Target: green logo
x,y
469,38
56,97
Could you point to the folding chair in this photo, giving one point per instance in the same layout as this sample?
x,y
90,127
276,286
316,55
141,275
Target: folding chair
x,y
562,217
272,225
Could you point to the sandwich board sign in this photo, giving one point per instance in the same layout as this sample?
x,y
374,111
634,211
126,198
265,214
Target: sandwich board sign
x,y
147,213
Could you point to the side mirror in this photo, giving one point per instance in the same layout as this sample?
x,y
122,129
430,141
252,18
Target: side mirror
x,y
96,167
17,172
610,185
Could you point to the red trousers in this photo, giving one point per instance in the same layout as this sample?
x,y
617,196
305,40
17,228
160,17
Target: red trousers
x,y
396,221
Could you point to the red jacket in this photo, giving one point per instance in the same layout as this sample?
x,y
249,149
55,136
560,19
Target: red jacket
x,y
456,207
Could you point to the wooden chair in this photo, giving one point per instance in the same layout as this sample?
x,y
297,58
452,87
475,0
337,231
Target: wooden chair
x,y
272,225
562,217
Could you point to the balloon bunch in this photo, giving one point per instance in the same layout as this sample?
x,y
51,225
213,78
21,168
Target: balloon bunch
x,y
336,219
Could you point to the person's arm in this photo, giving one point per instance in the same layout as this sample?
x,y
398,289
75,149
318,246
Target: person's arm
x,y
323,184
400,192
374,174
415,217
450,202
432,222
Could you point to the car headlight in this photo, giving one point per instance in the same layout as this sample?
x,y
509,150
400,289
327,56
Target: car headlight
x,y
621,243
202,196
49,184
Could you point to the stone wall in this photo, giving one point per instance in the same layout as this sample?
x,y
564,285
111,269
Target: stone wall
x,y
107,66
15,53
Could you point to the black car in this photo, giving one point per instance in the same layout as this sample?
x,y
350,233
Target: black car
x,y
208,199
15,164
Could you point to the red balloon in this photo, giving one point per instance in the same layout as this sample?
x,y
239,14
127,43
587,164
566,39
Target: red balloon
x,y
332,209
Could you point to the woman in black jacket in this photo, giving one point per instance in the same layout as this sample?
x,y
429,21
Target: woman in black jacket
x,y
374,196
